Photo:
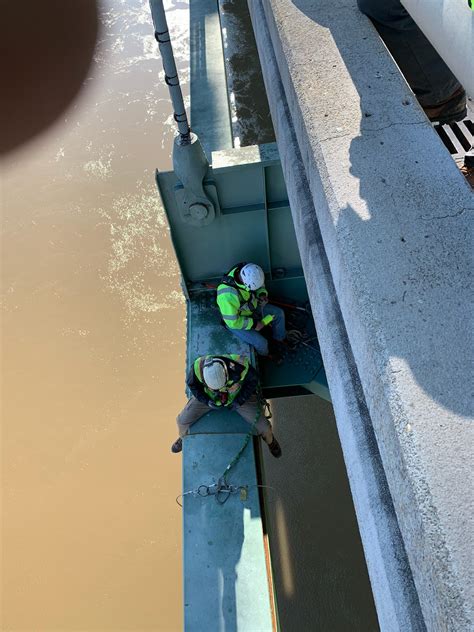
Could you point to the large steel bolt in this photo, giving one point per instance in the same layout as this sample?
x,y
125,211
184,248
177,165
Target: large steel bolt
x,y
198,211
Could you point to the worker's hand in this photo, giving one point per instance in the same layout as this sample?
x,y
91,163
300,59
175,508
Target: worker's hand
x,y
259,326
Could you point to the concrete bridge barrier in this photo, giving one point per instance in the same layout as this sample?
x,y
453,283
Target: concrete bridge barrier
x,y
382,218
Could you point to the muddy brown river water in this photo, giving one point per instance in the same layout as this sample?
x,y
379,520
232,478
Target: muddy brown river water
x,y
93,352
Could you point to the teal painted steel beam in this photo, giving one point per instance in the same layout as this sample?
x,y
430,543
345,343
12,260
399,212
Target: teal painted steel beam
x,y
225,576
210,114
252,193
246,182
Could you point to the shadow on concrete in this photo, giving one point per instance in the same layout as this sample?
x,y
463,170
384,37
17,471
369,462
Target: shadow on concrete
x,y
424,288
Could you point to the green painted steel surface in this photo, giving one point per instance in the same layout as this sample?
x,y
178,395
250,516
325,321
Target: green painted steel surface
x,y
210,114
225,577
225,581
254,222
225,574
205,334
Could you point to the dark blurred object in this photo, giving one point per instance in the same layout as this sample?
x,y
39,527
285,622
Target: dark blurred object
x,y
46,51
438,91
467,168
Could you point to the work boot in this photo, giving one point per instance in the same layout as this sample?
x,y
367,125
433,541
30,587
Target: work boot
x,y
449,111
177,446
275,448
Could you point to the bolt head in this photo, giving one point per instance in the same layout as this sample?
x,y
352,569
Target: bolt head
x,y
198,211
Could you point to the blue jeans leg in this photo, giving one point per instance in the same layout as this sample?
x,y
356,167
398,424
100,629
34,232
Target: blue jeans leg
x,y
253,338
278,323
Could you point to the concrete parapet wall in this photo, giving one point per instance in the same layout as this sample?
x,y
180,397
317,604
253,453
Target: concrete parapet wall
x,y
382,220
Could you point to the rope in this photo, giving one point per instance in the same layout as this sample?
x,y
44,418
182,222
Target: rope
x,y
210,490
236,458
222,490
262,405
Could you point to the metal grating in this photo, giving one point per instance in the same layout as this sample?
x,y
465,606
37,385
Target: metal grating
x,y
458,138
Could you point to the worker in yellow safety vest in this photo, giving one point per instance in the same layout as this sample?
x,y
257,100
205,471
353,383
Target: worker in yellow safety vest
x,y
225,382
244,307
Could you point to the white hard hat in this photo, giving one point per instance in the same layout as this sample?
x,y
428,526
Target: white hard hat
x,y
214,373
252,275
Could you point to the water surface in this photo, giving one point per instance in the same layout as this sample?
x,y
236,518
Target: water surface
x,y
93,352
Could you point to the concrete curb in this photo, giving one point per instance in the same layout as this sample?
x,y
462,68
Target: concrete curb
x,y
369,180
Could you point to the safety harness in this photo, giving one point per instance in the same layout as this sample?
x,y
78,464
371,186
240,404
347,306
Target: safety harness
x,y
251,302
226,395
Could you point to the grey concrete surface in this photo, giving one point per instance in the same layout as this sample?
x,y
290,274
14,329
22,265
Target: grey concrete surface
x,y
393,215
394,592
318,562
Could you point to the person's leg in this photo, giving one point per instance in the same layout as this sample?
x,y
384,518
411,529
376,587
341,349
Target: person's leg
x,y
253,338
427,74
248,411
193,411
278,323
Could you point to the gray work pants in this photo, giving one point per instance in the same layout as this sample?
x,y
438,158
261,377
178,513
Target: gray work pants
x,y
427,74
195,409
